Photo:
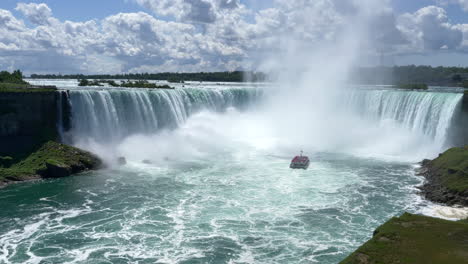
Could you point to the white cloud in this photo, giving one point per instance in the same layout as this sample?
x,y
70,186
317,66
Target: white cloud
x,y
429,29
38,14
213,35
462,3
193,11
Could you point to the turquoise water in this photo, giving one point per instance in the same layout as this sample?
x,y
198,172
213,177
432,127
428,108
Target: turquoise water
x,y
219,188
230,208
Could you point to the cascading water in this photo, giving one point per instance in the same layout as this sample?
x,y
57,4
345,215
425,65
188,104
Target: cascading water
x,y
110,115
427,114
420,120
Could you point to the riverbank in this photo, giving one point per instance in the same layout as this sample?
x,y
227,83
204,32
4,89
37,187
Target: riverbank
x,y
415,239
422,239
447,177
51,160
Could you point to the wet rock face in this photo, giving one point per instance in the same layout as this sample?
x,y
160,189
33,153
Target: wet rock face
x,y
57,170
26,119
458,133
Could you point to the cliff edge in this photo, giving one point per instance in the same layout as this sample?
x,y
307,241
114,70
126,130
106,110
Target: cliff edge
x,y
447,177
415,239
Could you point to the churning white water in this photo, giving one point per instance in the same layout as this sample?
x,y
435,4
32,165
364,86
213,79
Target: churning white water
x,y
207,178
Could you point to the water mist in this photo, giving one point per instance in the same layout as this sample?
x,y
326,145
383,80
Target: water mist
x,y
314,107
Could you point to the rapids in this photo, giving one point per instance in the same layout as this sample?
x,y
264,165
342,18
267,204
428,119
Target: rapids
x,y
216,187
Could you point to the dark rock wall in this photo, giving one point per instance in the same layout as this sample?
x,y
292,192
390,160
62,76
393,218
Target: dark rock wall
x,y
458,134
27,119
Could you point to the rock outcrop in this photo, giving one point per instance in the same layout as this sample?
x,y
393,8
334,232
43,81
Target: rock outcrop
x,y
447,177
458,134
51,160
415,239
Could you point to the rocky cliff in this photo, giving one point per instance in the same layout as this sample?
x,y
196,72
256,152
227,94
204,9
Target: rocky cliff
x,y
459,131
447,177
28,119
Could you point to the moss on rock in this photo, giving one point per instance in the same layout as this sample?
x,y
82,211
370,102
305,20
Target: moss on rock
x,y
415,239
49,161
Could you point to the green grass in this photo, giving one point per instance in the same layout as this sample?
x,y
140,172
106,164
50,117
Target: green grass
x,y
23,88
51,152
452,166
415,239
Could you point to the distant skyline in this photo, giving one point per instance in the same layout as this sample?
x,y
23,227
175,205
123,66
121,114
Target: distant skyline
x,y
114,36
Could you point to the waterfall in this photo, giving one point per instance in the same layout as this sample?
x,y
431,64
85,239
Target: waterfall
x,y
423,113
109,115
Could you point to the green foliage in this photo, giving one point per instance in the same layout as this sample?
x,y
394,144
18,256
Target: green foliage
x,y
83,82
24,88
443,76
13,83
144,84
128,84
113,83
234,76
415,239
52,153
413,86
452,166
16,77
86,82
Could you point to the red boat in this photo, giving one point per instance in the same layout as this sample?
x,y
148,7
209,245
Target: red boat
x,y
300,162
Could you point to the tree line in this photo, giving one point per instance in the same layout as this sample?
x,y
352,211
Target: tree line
x,y
234,76
16,77
397,75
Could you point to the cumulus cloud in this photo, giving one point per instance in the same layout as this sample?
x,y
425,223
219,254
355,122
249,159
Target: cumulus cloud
x,y
429,29
193,11
38,14
213,35
462,3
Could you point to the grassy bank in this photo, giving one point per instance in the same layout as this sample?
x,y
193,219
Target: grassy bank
x,y
50,160
452,169
415,239
24,88
447,177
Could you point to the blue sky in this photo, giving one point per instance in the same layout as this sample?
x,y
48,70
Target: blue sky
x,y
98,9
209,35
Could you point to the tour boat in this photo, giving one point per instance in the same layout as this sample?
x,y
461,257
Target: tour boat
x,y
300,162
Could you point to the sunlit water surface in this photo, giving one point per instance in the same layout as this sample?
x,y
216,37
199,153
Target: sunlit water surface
x,y
231,208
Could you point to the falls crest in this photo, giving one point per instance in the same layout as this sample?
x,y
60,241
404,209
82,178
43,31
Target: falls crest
x,y
110,115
